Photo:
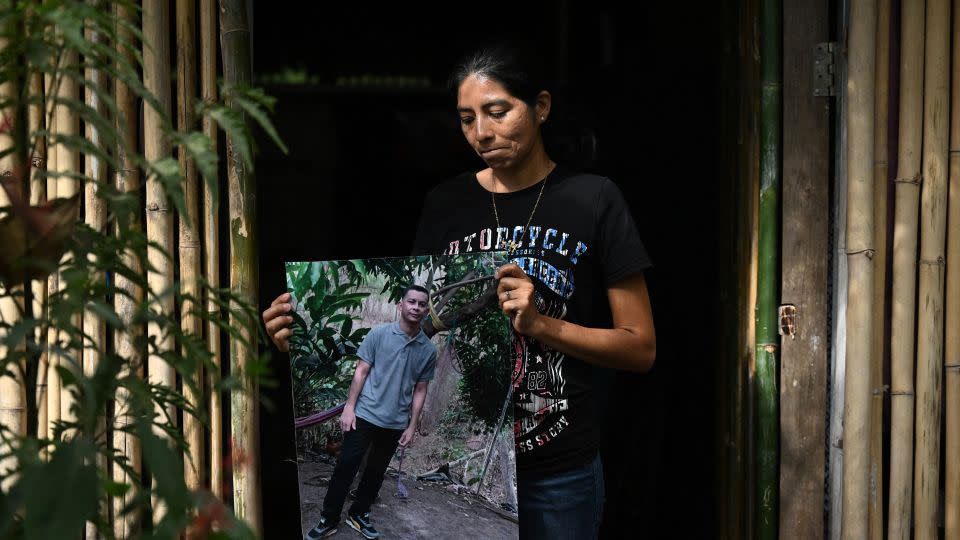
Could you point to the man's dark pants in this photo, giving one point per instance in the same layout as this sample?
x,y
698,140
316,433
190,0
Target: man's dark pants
x,y
382,443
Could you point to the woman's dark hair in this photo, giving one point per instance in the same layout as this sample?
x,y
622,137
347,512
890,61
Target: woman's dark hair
x,y
511,66
521,72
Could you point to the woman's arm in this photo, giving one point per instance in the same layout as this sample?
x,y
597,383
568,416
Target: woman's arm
x,y
630,345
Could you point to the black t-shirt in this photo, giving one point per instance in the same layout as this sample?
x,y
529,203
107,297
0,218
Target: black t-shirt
x,y
581,240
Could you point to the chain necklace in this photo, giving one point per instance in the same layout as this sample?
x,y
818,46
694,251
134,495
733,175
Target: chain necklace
x,y
512,245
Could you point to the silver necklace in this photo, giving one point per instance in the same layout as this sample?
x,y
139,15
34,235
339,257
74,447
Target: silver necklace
x,y
511,244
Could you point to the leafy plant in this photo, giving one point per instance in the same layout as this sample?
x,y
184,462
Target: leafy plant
x,y
324,343
50,485
481,346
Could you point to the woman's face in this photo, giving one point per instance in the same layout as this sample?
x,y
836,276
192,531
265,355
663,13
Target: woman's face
x,y
501,128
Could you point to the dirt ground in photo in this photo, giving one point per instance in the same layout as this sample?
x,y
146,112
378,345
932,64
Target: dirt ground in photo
x,y
433,510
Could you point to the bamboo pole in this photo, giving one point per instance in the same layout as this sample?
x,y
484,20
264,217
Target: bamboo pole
x,y
904,270
11,391
189,237
156,78
95,216
127,180
881,84
767,344
211,240
840,274
95,209
860,251
51,407
156,75
38,196
11,388
933,198
245,422
951,355
68,163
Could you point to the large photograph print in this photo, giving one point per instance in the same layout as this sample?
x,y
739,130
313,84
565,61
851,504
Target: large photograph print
x,y
453,476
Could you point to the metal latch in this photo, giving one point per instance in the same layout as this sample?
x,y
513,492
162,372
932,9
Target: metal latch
x,y
824,71
788,320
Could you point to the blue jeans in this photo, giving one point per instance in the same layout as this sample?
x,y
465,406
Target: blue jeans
x,y
566,505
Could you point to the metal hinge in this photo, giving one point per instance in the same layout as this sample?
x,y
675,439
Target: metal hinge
x,y
824,71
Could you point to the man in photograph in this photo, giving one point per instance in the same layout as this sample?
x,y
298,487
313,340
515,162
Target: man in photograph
x,y
396,363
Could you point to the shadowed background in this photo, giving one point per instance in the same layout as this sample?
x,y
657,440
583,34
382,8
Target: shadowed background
x,y
370,127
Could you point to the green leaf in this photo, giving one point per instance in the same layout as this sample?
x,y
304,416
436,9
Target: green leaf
x,y
253,109
67,376
167,167
338,318
16,335
202,151
233,125
105,312
314,306
165,466
358,336
61,494
353,296
359,265
114,489
345,303
169,174
80,144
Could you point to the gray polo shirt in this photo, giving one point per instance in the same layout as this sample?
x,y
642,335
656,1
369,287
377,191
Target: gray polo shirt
x,y
397,364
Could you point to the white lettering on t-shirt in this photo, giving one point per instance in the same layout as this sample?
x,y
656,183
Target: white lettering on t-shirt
x,y
517,231
486,237
502,234
546,238
534,233
469,241
560,248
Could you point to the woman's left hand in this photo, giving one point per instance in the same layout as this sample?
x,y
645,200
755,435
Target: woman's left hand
x,y
515,292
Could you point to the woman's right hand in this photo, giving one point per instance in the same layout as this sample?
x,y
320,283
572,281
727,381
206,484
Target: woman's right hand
x,y
277,321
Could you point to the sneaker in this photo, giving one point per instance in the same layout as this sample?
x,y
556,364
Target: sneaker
x,y
323,529
361,524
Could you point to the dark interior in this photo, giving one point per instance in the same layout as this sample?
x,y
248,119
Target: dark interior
x,y
639,79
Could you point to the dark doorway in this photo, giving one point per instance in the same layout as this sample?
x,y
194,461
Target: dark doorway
x,y
362,108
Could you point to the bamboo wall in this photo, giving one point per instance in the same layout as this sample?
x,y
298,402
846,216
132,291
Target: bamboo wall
x,y
893,381
925,288
901,326
212,463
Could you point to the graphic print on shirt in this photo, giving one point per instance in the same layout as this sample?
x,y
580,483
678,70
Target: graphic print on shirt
x,y
539,382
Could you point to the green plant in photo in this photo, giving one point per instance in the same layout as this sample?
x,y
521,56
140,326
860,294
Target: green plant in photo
x,y
324,343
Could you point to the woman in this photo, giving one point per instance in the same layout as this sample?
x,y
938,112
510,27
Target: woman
x,y
574,291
